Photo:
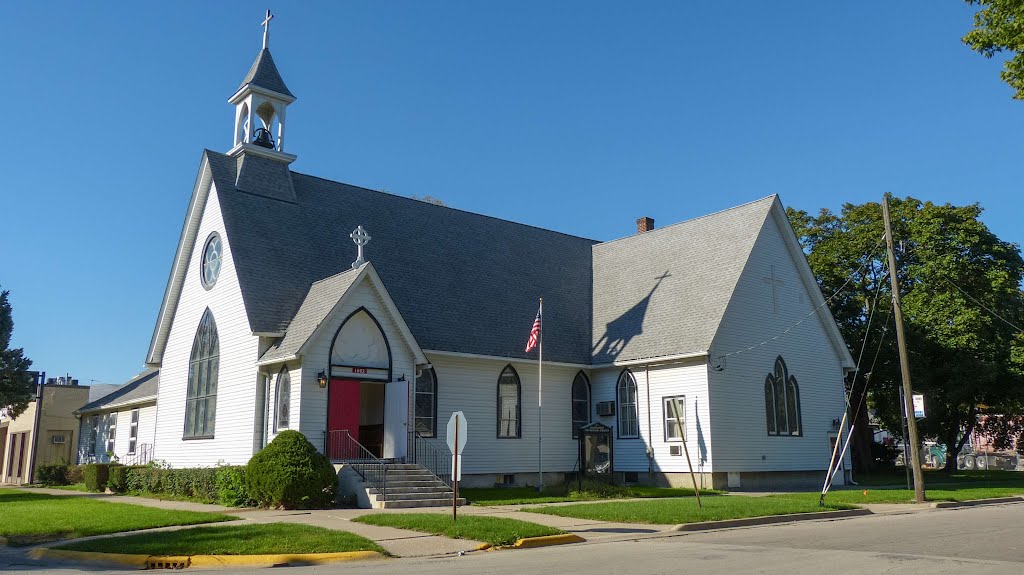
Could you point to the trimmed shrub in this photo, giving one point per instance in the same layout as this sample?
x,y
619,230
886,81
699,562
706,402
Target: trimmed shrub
x,y
292,474
194,483
96,476
56,474
118,480
75,475
231,488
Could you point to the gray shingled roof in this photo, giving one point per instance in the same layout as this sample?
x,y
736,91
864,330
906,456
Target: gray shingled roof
x,y
321,299
664,292
139,389
463,282
264,74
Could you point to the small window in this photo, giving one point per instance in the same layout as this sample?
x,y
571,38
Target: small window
x,y
111,431
426,403
580,403
211,262
629,422
509,394
133,436
283,399
782,401
675,414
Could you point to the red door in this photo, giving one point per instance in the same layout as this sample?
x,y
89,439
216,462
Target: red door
x,y
342,414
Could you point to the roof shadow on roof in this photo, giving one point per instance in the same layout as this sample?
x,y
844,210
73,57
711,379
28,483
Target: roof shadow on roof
x,y
619,331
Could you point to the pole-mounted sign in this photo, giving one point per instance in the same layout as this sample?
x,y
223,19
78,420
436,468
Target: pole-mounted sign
x,y
458,431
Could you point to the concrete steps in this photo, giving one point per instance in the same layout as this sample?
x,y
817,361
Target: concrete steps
x,y
406,485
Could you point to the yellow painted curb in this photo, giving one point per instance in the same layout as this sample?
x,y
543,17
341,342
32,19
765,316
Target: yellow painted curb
x,y
548,540
183,561
279,559
135,561
483,547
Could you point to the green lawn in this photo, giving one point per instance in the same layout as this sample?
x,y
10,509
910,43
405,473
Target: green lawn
x,y
28,517
685,510
529,495
941,493
258,539
72,487
938,477
493,530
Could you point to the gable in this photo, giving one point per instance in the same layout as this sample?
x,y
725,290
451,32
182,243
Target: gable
x,y
777,303
663,293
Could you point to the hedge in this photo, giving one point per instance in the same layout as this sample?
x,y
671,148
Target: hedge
x,y
292,474
96,476
118,480
224,484
56,474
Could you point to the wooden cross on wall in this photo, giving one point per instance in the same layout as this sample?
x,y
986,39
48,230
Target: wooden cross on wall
x,y
772,281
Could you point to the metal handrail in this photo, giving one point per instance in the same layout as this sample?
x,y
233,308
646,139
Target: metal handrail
x,y
341,447
433,459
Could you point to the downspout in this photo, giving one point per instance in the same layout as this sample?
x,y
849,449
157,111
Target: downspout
x,y
650,430
35,426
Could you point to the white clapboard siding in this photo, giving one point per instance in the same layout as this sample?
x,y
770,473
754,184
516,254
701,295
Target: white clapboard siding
x,y
653,384
738,423
295,373
470,385
310,412
237,378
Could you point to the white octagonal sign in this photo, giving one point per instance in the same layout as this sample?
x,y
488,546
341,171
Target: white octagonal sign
x,y
463,431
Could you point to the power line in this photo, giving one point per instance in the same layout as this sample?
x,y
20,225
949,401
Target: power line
x,y
983,306
869,259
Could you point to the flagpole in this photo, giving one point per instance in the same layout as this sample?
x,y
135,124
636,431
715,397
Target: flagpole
x,y
540,401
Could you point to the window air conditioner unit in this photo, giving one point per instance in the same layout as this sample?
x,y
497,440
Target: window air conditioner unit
x,y
606,408
675,449
58,439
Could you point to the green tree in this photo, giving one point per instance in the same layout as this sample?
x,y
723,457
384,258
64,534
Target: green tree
x,y
999,27
965,359
15,379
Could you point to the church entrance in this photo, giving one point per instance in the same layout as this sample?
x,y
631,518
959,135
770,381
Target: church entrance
x,y
356,408
367,410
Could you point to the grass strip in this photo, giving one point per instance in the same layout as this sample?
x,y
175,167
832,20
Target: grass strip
x,y
944,493
673,511
31,517
529,495
247,539
493,530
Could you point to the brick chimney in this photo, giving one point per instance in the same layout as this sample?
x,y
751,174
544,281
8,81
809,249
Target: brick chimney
x,y
644,224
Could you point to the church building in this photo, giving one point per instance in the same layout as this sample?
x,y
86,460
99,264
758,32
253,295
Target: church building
x,y
364,320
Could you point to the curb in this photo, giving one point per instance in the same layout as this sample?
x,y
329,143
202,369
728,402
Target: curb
x,y
769,519
3,542
183,561
974,502
546,540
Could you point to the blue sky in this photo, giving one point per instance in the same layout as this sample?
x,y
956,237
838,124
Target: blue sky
x,y
576,116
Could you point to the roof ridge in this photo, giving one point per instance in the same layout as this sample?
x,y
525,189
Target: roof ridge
x,y
447,207
333,276
691,220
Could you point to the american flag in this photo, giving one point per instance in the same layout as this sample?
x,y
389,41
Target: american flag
x,y
534,334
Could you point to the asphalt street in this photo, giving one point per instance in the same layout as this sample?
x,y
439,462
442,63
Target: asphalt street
x,y
986,539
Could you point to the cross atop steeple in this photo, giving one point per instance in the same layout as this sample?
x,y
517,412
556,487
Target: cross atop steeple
x,y
266,29
360,238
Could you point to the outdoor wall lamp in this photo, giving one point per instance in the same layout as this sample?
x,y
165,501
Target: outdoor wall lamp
x,y
321,379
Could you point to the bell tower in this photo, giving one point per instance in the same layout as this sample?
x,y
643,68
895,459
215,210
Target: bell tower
x,y
260,103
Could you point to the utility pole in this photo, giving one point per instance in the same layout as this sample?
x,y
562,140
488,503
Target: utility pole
x,y
908,402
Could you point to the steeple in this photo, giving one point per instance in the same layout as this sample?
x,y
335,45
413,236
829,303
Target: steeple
x,y
260,104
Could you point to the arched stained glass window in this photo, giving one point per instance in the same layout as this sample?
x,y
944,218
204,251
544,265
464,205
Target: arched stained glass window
x,y
629,421
580,403
509,412
426,403
203,367
782,401
283,400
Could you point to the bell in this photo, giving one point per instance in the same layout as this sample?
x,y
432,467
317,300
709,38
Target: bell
x,y
262,139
